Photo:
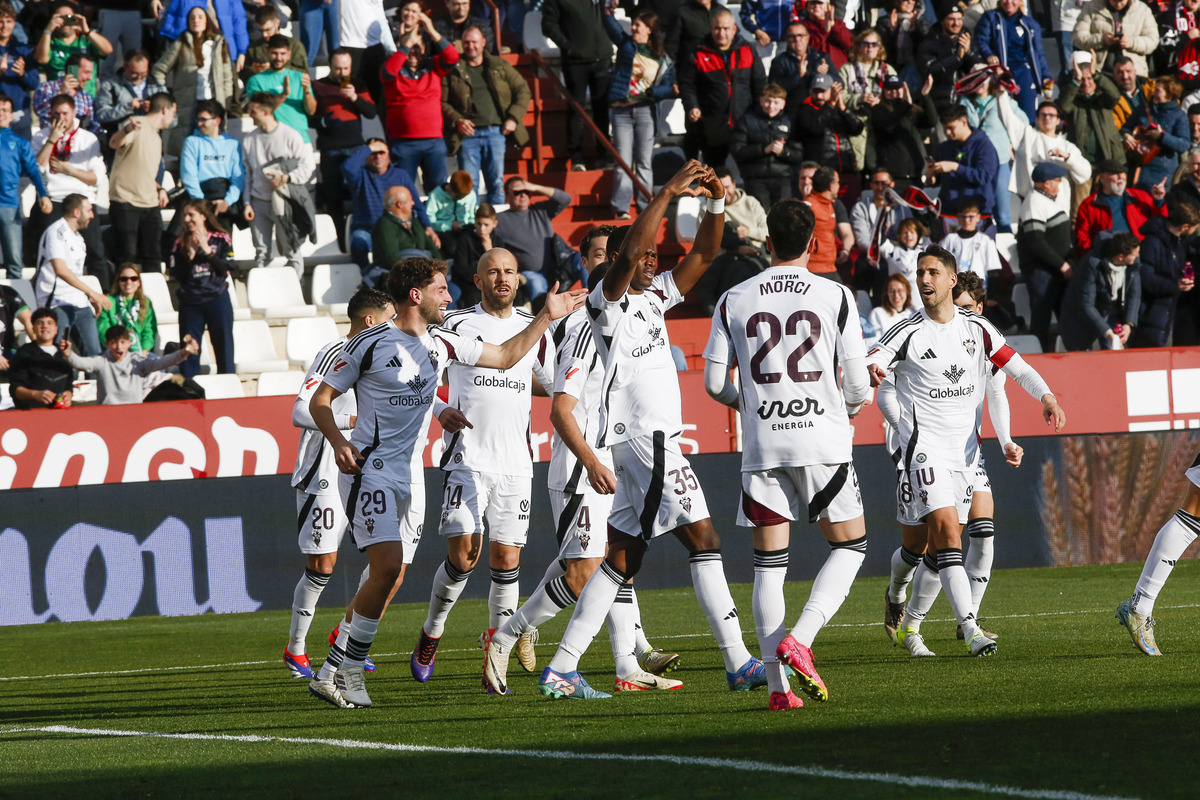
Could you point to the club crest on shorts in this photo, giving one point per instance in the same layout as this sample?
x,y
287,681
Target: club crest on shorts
x,y
324,484
316,537
584,540
687,504
377,463
370,523
619,428
924,497
969,346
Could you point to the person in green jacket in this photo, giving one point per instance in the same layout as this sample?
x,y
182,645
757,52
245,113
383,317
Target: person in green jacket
x,y
130,308
396,235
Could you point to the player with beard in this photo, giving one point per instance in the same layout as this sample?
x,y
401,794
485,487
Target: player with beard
x,y
941,358
394,369
641,420
489,468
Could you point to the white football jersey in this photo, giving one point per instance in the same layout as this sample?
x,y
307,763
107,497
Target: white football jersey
x,y
788,330
976,253
640,393
579,373
940,372
498,403
316,471
394,376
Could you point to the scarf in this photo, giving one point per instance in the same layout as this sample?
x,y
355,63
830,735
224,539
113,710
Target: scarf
x,y
62,150
915,200
970,83
1187,60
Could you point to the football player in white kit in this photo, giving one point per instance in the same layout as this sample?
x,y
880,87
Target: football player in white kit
x,y
394,370
980,529
320,514
489,467
581,485
641,419
1169,545
788,331
941,358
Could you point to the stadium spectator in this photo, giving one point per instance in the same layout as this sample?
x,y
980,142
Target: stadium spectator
x,y
965,165
319,19
1043,142
804,178
124,377
862,78
827,33
1115,206
1103,298
577,28
946,55
16,160
127,92
199,262
197,67
1164,256
897,126
743,244
342,105
131,309
458,18
18,71
974,250
39,375
825,126
765,148
718,85
1008,36
78,74
210,167
484,100
643,76
1156,134
833,224
467,248
135,198
395,236
368,174
452,205
412,93
873,202
897,304
767,21
687,27
1187,187
1088,101
1044,247
901,30
795,68
14,312
294,87
231,18
1193,117
276,158
529,232
70,161
990,109
1117,28
67,33
899,256
1134,89
58,284
366,32
268,25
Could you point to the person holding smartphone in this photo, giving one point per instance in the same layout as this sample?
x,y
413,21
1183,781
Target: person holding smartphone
x,y
67,33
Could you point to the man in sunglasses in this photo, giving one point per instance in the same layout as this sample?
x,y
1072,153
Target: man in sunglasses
x,y
529,233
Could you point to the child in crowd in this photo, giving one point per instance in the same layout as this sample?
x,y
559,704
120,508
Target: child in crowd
x,y
975,251
900,257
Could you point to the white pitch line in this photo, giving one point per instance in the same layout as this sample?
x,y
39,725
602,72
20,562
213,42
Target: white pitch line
x,y
740,765
706,634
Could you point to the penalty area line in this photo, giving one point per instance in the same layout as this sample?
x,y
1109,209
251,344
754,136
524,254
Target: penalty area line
x,y
740,765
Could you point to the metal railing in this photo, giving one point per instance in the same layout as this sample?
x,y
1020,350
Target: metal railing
x,y
491,4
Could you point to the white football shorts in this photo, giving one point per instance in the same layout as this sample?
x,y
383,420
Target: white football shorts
x,y
502,501
657,491
383,510
321,521
581,522
925,489
980,481
791,494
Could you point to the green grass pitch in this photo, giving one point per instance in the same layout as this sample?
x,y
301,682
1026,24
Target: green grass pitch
x,y
1067,709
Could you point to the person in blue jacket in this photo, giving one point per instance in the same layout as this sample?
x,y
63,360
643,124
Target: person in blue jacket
x,y
1164,256
368,174
766,21
16,159
1165,126
965,165
1007,36
210,166
231,17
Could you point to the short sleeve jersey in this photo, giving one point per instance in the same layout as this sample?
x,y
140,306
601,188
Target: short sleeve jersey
x,y
940,372
975,253
788,330
316,471
578,372
498,402
60,242
640,392
394,376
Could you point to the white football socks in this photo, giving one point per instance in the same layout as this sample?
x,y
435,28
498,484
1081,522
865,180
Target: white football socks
x,y
304,605
830,588
448,584
978,561
504,595
621,617
641,643
594,603
904,564
337,652
957,587
1169,545
926,585
712,592
770,572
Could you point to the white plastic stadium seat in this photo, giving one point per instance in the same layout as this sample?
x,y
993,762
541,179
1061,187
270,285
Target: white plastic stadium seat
x,y
326,249
1026,344
221,387
535,39
1020,296
24,288
243,244
238,311
254,348
687,219
273,384
1059,347
307,336
333,285
154,284
275,293
169,332
676,119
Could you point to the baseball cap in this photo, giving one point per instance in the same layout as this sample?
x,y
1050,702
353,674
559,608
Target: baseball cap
x,y
892,82
822,81
1048,171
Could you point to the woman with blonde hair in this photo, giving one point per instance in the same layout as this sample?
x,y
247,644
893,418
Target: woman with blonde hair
x,y
195,67
862,78
131,309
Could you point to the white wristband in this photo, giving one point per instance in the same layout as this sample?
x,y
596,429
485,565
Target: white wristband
x,y
716,205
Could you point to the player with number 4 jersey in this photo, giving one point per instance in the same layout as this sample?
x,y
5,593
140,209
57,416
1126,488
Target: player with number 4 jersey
x,y
788,331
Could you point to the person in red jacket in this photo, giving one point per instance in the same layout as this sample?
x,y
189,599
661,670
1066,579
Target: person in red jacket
x,y
1112,194
412,94
826,32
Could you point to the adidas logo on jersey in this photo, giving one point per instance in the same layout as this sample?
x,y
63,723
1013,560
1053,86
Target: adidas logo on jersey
x,y
954,373
394,362
928,354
